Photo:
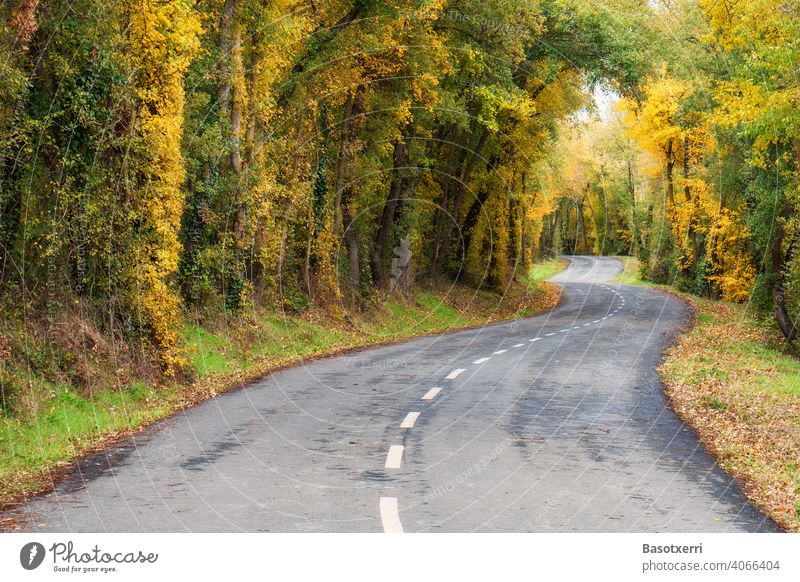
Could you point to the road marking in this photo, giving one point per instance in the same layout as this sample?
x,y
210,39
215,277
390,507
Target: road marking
x,y
576,327
431,394
390,515
586,324
481,360
563,330
606,317
409,420
536,339
395,457
610,315
517,345
596,321
454,374
549,334
498,352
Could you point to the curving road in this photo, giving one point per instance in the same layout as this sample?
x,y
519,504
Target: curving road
x,y
553,423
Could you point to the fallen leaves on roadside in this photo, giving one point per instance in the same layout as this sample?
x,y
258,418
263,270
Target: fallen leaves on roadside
x,y
729,396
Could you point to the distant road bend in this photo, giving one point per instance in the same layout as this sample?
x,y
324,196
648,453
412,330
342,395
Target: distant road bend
x,y
552,423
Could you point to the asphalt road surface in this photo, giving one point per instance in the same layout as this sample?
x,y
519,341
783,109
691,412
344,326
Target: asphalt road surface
x,y
553,423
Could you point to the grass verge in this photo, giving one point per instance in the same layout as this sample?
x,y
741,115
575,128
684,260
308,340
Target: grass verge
x,y
731,380
65,423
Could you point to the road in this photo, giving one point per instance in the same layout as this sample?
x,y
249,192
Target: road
x,y
556,423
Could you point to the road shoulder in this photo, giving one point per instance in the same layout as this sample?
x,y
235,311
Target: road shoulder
x,y
732,380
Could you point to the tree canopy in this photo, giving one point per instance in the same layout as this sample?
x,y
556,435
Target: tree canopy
x,y
165,157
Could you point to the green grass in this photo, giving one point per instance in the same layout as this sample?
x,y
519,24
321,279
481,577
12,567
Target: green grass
x,y
208,353
630,271
427,314
544,270
68,425
292,338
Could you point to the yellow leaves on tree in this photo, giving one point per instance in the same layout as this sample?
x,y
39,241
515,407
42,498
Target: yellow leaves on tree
x,y
163,39
694,207
736,23
652,124
732,264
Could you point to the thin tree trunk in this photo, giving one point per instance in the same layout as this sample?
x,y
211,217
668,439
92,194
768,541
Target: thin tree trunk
x,y
632,190
779,259
347,200
441,214
670,180
400,160
225,46
687,191
255,92
237,88
341,164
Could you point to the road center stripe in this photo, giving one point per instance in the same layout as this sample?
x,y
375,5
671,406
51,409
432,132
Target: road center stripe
x,y
455,374
390,515
431,394
395,457
480,360
409,420
498,352
536,339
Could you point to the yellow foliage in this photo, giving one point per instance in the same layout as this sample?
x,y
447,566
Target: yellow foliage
x,y
163,39
733,270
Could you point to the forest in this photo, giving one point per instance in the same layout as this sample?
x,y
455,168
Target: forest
x,y
165,161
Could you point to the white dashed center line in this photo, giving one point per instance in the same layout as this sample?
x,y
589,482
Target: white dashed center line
x,y
409,420
455,374
536,339
480,360
432,393
390,515
395,457
549,334
498,352
517,345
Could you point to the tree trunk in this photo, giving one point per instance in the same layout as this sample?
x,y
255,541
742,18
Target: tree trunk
x,y
670,180
347,192
779,259
225,47
458,200
237,88
632,190
400,161
341,164
687,191
441,214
